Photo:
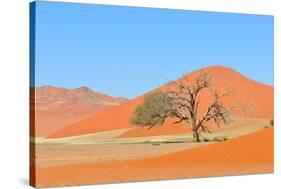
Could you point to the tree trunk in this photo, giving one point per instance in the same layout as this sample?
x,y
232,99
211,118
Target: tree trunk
x,y
196,135
194,131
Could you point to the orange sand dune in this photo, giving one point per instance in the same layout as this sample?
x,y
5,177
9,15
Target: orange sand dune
x,y
48,122
116,117
248,154
258,97
169,128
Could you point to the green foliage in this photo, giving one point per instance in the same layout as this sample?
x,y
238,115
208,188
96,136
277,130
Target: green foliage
x,y
154,109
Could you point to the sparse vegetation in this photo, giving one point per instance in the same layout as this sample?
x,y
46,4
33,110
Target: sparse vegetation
x,y
219,139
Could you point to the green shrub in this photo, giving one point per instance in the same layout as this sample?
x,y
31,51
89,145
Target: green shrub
x,y
154,109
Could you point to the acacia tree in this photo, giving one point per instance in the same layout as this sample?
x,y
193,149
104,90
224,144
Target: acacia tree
x,y
181,101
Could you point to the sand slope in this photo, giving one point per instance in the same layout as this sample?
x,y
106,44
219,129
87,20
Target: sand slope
x,y
110,119
258,98
248,154
47,123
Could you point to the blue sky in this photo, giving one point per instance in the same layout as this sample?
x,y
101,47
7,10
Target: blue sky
x,y
127,51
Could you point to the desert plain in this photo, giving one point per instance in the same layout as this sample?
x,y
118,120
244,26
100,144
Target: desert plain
x,y
99,145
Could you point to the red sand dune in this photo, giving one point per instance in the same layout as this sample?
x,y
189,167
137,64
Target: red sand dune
x,y
248,154
116,117
169,128
246,92
47,123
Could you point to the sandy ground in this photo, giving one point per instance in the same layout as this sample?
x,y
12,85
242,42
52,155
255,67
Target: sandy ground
x,y
239,126
54,155
247,154
104,146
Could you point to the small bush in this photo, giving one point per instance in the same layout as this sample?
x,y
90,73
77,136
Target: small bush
x,y
219,139
206,140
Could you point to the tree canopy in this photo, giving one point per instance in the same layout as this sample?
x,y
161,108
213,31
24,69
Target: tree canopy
x,y
155,108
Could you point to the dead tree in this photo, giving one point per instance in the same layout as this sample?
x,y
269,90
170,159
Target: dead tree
x,y
182,101
185,103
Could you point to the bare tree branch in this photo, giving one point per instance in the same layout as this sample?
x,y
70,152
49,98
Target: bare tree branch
x,y
186,101
182,101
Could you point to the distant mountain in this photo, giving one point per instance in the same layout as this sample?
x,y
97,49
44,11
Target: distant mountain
x,y
80,100
246,91
56,107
